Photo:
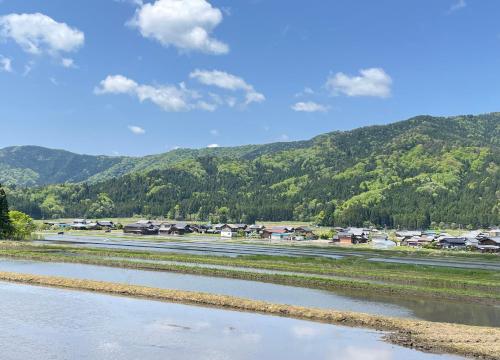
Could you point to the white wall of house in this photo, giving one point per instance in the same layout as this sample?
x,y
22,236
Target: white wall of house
x,y
227,233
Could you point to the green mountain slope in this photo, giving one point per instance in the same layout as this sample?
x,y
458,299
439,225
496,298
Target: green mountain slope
x,y
33,165
411,173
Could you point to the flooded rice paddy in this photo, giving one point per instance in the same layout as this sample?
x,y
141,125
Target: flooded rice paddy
x,y
48,323
426,309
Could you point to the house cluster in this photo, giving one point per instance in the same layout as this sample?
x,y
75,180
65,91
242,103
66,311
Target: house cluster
x,y
83,224
151,227
484,241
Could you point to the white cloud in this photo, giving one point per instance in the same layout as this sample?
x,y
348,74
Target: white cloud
x,y
359,353
38,33
213,146
5,64
304,332
457,5
185,24
214,132
371,82
229,82
169,97
309,106
54,81
284,137
116,84
136,129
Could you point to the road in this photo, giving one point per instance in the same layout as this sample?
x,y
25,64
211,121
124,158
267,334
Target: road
x,y
217,247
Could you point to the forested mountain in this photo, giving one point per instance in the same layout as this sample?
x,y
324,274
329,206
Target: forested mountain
x,y
411,173
34,165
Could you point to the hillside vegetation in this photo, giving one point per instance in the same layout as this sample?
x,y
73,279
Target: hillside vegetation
x,y
410,174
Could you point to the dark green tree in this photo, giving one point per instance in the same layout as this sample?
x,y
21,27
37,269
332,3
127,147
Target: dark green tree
x,y
5,225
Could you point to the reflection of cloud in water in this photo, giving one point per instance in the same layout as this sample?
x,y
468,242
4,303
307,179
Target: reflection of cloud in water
x,y
109,347
360,353
305,332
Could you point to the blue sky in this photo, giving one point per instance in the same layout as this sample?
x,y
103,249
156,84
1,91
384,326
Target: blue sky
x,y
134,78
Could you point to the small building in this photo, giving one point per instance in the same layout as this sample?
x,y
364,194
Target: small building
x,y
141,227
304,233
268,232
417,241
231,230
174,229
281,236
343,238
406,235
254,230
452,242
82,224
104,224
489,244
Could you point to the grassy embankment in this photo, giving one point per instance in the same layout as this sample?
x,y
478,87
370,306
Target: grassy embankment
x,y
471,341
353,273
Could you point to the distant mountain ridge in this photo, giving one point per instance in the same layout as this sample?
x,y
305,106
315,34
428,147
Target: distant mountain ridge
x,y
35,165
411,173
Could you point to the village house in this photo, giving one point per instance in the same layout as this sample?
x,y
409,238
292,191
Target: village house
x,y
418,241
406,235
82,224
141,227
254,230
174,229
304,233
351,236
489,244
104,224
446,242
278,233
232,230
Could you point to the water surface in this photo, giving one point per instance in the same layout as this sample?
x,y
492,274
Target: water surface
x,y
46,323
344,300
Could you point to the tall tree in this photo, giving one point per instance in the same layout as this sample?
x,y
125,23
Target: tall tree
x,y
5,226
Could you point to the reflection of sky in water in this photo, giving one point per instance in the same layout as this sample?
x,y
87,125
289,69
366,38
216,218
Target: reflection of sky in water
x,y
434,310
241,288
45,323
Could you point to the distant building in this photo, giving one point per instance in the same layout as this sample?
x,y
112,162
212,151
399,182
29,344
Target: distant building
x,y
141,227
452,242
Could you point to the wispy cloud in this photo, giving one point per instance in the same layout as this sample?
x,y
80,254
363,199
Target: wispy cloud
x,y
227,81
457,5
5,64
214,132
309,106
212,145
136,129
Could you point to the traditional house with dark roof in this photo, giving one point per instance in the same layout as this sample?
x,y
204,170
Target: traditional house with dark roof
x,y
142,227
452,242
